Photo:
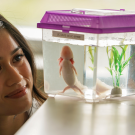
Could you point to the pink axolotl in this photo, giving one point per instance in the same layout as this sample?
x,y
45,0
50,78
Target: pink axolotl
x,y
68,70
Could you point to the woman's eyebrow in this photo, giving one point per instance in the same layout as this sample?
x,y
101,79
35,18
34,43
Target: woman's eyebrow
x,y
15,50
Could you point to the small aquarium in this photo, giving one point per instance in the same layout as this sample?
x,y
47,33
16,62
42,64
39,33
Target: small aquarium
x,y
89,53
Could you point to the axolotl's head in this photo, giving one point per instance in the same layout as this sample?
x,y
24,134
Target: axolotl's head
x,y
66,53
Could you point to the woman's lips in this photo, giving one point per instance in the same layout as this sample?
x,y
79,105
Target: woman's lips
x,y
17,93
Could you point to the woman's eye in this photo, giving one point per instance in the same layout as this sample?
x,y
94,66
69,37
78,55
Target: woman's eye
x,y
18,57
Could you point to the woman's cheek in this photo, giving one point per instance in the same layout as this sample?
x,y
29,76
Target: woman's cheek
x,y
1,85
27,72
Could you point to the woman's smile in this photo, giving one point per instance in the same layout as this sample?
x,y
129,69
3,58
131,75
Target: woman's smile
x,y
22,91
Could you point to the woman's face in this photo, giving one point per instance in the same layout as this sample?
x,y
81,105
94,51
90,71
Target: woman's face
x,y
16,81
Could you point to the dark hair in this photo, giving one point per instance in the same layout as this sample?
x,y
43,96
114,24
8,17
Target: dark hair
x,y
13,31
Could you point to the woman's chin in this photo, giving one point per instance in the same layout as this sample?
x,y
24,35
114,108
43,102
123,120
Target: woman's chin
x,y
20,108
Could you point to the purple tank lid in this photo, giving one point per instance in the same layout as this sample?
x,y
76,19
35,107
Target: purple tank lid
x,y
89,21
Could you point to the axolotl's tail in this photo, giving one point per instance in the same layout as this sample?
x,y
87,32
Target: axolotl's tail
x,y
77,87
80,88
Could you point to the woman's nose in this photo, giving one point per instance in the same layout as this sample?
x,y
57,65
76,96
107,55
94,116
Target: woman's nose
x,y
13,76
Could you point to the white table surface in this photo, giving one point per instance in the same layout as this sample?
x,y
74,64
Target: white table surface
x,y
68,116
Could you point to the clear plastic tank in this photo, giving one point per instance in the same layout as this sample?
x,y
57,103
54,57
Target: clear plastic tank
x,y
103,56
